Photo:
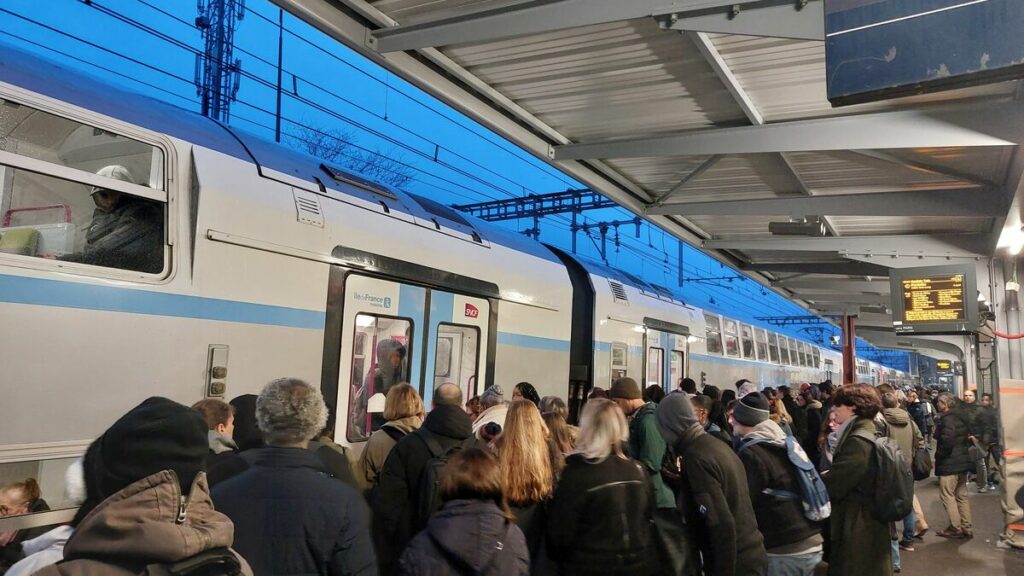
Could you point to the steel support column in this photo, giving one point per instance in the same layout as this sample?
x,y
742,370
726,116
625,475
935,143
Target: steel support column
x,y
849,351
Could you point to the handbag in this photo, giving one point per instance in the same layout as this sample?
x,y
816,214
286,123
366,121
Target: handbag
x,y
922,464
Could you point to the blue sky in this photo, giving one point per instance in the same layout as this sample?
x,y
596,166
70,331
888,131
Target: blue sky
x,y
150,46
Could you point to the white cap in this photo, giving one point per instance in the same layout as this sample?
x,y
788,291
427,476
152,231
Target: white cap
x,y
117,172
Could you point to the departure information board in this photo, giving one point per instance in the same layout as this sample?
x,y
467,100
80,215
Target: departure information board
x,y
934,300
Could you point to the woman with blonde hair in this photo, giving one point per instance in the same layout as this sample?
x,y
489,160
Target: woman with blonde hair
x,y
602,509
403,412
525,456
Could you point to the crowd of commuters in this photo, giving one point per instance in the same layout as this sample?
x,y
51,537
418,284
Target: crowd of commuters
x,y
741,482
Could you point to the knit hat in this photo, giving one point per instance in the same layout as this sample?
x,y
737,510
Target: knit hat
x,y
625,388
157,435
674,416
751,410
493,396
247,434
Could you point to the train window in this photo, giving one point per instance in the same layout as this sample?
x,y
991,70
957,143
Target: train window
x,y
815,357
761,340
783,349
794,353
456,358
64,220
713,331
46,476
655,360
380,359
747,338
620,355
801,355
773,347
676,369
732,343
32,133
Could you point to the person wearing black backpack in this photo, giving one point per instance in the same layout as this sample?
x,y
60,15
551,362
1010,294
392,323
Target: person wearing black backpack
x,y
407,491
793,542
859,543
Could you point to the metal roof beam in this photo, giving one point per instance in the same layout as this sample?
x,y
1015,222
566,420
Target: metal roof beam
x,y
531,17
881,287
779,19
704,167
995,125
865,299
979,202
831,267
911,245
890,159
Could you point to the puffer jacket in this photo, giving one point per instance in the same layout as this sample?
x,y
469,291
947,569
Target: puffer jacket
x,y
904,431
951,444
141,525
372,460
467,537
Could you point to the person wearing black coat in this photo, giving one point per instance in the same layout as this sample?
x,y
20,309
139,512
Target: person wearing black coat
x,y
714,497
395,499
290,515
473,532
952,463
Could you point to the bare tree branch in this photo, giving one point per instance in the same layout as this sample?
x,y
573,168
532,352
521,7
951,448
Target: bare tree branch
x,y
339,146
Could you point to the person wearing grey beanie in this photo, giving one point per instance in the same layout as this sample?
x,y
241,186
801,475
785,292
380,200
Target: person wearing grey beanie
x,y
716,500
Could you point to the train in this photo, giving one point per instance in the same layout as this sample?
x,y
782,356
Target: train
x,y
265,262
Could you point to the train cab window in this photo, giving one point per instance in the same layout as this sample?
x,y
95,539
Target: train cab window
x,y
773,347
456,359
731,340
77,193
747,339
713,331
655,360
761,341
784,349
380,360
675,369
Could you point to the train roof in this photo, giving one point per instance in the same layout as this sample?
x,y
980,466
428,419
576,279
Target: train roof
x,y
40,75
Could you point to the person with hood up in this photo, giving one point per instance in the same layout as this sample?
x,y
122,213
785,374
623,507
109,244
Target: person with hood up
x,y
48,548
126,231
404,412
494,409
716,499
793,543
147,501
859,544
396,499
290,515
902,428
473,532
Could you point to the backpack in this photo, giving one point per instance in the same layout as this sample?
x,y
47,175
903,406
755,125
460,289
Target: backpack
x,y
213,562
813,494
429,489
393,433
893,493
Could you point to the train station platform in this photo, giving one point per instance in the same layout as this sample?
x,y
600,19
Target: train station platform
x,y
937,556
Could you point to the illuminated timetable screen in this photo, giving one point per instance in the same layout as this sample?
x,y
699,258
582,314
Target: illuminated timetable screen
x,y
934,300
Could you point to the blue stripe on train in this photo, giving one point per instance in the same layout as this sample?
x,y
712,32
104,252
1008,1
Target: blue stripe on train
x,y
524,341
42,292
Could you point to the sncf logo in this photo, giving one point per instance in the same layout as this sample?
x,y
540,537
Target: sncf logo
x,y
472,311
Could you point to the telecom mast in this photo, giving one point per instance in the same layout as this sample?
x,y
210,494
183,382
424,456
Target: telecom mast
x,y
217,70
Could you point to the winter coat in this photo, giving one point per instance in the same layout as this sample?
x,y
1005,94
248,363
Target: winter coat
x,y
224,461
815,419
13,552
292,517
494,414
599,519
129,237
395,500
904,431
798,418
716,502
951,444
986,426
42,551
923,414
859,544
531,519
467,537
782,521
139,526
375,454
647,447
716,431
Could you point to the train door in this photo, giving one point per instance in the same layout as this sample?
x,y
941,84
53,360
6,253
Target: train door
x,y
654,367
666,358
456,332
677,364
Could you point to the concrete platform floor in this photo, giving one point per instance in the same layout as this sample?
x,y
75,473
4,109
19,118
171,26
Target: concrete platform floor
x,y
938,556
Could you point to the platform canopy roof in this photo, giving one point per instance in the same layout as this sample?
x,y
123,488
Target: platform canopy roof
x,y
710,119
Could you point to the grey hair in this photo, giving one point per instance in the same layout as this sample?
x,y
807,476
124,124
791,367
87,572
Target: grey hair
x,y
289,411
553,405
603,430
947,399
